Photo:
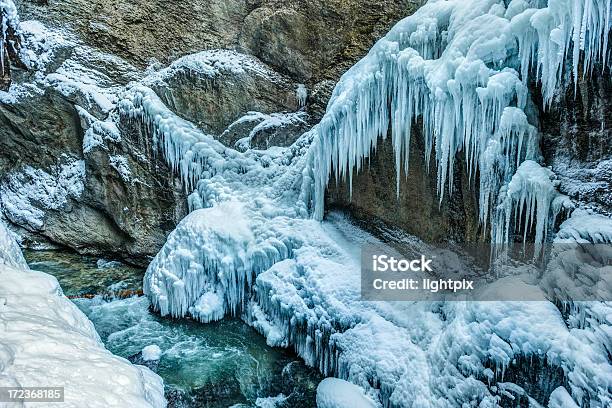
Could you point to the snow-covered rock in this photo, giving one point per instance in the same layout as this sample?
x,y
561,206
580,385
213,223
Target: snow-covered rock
x,y
151,353
337,393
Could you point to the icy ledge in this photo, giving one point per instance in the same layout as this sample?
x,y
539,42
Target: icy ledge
x,y
45,340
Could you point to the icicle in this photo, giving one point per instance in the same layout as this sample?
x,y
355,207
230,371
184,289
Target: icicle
x,y
450,64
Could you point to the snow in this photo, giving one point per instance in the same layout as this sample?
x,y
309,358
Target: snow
x,y
584,227
151,353
337,393
72,78
26,194
212,63
47,341
121,164
97,132
560,398
267,122
10,253
270,402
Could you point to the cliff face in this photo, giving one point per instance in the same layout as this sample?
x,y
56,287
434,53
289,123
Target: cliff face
x,y
577,141
124,199
313,42
417,209
55,190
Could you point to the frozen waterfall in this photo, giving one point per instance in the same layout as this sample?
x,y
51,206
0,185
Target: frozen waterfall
x,y
464,67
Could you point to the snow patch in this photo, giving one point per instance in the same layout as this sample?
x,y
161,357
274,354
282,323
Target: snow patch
x,y
47,340
26,194
151,353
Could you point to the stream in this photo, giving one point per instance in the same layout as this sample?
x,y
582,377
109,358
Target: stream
x,y
221,364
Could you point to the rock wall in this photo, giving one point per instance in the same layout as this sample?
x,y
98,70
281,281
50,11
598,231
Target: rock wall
x,y
577,141
313,41
418,209
111,215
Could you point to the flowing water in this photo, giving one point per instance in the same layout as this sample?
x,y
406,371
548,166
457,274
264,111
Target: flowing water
x,y
218,364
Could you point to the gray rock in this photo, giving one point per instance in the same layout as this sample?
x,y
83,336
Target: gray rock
x,y
577,141
43,132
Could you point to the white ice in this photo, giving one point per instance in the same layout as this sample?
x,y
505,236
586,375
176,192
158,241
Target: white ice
x,y
151,353
46,341
337,393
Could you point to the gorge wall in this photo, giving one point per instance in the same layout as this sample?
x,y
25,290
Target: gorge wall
x,y
125,199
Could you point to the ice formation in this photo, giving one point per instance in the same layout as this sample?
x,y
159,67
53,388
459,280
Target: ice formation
x,y
151,352
9,19
10,253
301,93
463,67
336,393
531,195
46,341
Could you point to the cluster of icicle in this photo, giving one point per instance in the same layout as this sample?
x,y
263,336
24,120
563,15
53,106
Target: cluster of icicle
x,y
463,67
189,152
8,19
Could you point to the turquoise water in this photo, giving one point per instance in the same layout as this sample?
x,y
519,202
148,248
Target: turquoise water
x,y
220,364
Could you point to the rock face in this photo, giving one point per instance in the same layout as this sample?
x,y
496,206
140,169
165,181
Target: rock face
x,y
312,41
54,190
417,209
108,213
577,141
318,39
139,30
215,98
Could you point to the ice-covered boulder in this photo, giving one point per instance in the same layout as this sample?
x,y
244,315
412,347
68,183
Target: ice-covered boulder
x,y
337,393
